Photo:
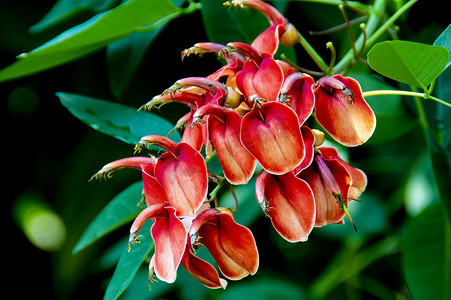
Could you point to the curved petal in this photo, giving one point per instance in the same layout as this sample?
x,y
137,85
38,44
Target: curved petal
x,y
135,162
343,112
231,245
328,209
184,179
153,191
358,177
263,81
297,90
202,270
289,202
268,40
170,237
224,132
276,142
192,134
309,141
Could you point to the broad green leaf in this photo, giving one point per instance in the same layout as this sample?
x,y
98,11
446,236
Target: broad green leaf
x,y
439,139
129,264
124,56
121,210
122,122
445,40
427,255
90,36
65,9
408,62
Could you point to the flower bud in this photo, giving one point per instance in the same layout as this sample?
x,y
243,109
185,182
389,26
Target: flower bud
x,y
290,36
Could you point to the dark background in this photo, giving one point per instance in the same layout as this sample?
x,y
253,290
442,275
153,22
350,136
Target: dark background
x,y
51,154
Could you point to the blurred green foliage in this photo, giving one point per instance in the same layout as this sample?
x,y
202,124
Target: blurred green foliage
x,y
403,231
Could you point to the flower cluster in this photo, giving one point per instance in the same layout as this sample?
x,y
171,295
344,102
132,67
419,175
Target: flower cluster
x,y
252,110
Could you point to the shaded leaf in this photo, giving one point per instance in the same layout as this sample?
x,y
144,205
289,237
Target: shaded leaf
x,y
445,40
129,264
90,36
121,210
124,56
427,255
408,62
116,120
65,9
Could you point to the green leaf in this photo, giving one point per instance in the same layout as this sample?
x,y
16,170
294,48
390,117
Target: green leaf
x,y
116,120
121,210
129,264
439,139
427,255
66,9
445,40
408,62
90,36
124,56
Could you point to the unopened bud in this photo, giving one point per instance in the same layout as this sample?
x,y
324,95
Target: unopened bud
x,y
319,137
290,36
225,210
233,98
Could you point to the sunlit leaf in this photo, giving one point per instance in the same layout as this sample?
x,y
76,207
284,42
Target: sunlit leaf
x,y
121,210
129,264
427,255
90,36
122,122
408,62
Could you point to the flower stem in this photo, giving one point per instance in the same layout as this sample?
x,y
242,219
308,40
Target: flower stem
x,y
312,53
405,93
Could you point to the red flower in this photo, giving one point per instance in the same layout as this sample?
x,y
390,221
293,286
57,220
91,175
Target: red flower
x,y
231,245
297,92
289,202
224,133
271,133
182,173
169,235
341,110
331,182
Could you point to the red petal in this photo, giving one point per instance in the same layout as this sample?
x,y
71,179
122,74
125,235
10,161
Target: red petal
x,y
298,91
231,245
309,141
289,202
327,208
276,143
192,134
268,40
349,123
170,237
153,191
264,81
202,270
184,179
358,177
224,133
